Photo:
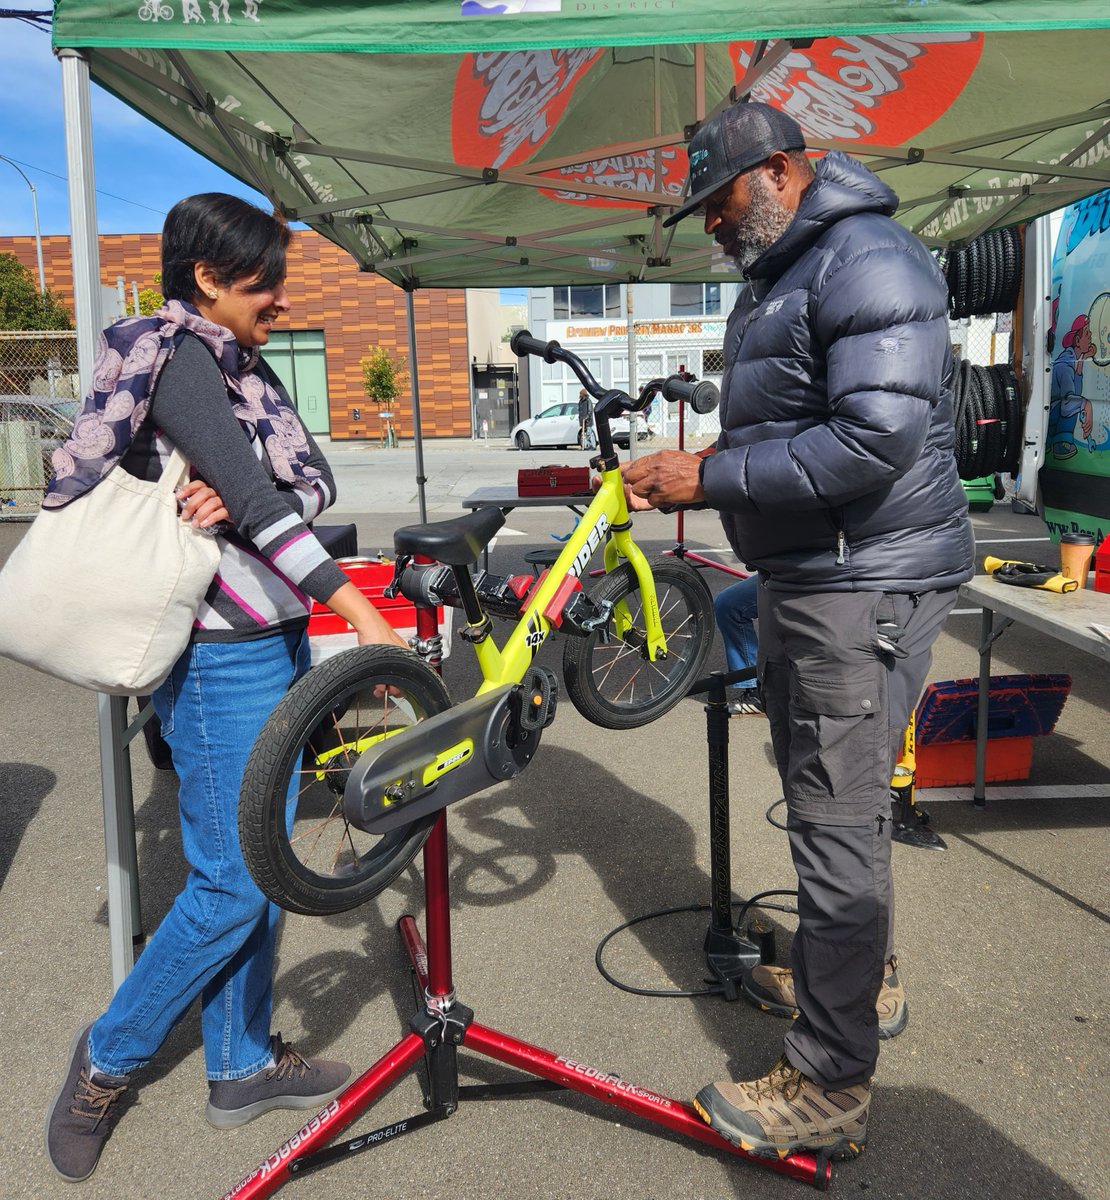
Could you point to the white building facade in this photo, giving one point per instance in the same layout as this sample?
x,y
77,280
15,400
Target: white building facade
x,y
674,327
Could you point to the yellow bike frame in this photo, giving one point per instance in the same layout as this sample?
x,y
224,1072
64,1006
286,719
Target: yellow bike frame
x,y
607,513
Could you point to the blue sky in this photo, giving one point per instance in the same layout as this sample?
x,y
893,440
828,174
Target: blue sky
x,y
140,171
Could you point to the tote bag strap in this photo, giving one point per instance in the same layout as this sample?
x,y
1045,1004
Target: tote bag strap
x,y
174,473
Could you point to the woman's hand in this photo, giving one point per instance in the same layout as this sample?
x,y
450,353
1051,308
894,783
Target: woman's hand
x,y
369,624
201,505
381,633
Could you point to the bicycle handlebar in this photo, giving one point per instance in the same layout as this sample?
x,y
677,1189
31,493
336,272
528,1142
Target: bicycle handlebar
x,y
523,343
701,395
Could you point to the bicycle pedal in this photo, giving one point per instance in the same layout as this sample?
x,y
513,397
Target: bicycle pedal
x,y
539,696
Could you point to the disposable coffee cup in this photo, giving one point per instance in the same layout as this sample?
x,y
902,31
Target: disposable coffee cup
x,y
1075,556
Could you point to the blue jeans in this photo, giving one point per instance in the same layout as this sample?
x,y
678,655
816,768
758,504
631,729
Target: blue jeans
x,y
735,608
217,940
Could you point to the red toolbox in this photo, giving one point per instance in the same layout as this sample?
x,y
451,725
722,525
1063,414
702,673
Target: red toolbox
x,y
1022,707
952,764
370,577
552,481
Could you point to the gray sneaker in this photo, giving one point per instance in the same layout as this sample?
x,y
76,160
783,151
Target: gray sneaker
x,y
292,1082
772,989
83,1113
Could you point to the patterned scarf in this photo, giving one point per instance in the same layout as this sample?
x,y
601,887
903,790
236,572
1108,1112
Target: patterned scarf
x,y
130,356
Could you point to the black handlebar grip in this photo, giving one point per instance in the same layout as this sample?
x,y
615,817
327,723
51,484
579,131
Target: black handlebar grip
x,y
705,397
701,394
522,343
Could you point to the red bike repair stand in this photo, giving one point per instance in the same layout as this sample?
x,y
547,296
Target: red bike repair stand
x,y
679,548
437,1030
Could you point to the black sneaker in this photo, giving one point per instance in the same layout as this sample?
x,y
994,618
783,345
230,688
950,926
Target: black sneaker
x,y
83,1114
292,1082
746,702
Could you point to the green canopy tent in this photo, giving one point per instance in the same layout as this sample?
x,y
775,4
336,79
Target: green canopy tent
x,y
534,142
542,141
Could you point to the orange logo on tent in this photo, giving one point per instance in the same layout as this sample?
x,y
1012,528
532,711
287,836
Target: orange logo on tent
x,y
883,89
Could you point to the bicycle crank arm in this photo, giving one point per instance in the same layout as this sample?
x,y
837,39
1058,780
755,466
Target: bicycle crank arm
x,y
446,758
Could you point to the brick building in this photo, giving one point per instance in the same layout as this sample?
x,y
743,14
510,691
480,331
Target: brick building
x,y
337,313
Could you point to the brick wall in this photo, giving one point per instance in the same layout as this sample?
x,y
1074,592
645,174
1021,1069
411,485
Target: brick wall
x,y
328,292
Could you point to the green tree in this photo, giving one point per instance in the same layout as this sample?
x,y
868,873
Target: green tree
x,y
150,299
22,305
383,375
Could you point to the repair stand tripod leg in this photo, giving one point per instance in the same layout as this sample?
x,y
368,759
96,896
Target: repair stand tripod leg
x,y
438,1029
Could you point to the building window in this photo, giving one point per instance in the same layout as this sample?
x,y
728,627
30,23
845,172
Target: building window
x,y
598,300
713,362
695,299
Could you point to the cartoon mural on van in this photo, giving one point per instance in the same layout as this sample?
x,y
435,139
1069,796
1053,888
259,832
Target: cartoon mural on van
x,y
1075,480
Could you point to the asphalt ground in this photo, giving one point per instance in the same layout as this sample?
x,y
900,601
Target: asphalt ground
x,y
998,1088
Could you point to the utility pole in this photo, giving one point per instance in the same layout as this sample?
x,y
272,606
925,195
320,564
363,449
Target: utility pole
x,y
633,418
35,211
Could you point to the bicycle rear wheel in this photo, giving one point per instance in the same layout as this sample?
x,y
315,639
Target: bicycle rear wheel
x,y
299,847
608,675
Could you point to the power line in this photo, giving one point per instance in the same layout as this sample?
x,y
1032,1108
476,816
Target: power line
x,y
36,18
99,192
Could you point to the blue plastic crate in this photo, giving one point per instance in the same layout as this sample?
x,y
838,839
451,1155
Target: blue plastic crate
x,y
1021,706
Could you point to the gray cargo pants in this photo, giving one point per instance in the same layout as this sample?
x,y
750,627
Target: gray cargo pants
x,y
838,703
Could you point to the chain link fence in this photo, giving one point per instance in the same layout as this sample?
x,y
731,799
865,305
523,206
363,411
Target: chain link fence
x,y
661,354
984,341
39,398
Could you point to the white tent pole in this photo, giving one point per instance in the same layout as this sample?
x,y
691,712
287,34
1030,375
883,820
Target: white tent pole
x,y
417,436
82,209
115,762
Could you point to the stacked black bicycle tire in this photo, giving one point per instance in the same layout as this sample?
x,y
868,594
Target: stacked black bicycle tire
x,y
988,420
985,275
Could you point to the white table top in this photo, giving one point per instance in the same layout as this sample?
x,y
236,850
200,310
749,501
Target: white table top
x,y
1066,616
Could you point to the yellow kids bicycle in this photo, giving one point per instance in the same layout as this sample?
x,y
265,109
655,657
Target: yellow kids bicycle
x,y
351,770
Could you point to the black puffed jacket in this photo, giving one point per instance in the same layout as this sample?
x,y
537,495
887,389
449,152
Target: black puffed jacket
x,y
835,469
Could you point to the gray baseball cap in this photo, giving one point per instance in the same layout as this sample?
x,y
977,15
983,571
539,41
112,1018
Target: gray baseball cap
x,y
737,138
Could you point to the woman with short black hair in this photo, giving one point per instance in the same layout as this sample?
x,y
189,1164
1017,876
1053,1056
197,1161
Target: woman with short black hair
x,y
191,377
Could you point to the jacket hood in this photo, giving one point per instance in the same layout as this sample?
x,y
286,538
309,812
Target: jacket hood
x,y
841,188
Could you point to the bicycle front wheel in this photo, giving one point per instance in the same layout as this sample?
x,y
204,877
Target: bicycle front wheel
x,y
608,674
300,849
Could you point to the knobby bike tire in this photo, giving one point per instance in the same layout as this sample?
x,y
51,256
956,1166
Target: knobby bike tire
x,y
612,682
298,846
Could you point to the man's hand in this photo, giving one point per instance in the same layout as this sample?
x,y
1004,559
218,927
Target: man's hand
x,y
664,478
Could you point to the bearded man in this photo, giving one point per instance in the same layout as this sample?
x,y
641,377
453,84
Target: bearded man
x,y
835,479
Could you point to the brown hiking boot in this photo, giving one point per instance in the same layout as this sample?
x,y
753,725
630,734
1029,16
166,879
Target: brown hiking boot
x,y
772,989
785,1111
83,1114
292,1082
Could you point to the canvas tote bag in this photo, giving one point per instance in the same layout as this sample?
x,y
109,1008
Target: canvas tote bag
x,y
103,592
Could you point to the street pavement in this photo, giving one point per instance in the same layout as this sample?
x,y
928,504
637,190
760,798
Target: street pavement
x,y
998,1088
